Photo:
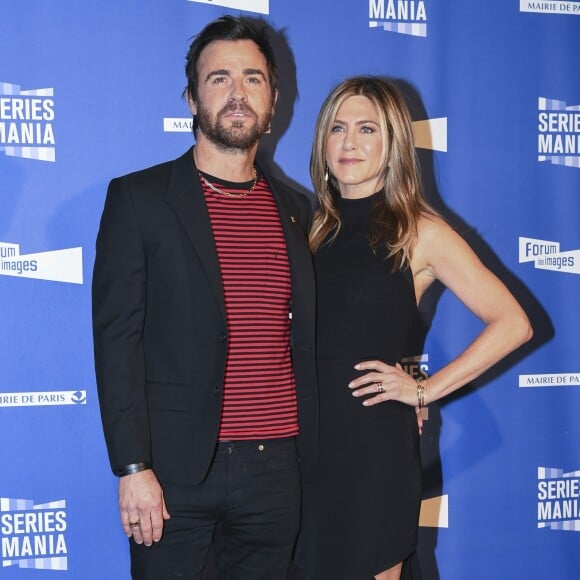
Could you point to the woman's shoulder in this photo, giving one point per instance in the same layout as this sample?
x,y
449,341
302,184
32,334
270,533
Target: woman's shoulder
x,y
430,227
436,241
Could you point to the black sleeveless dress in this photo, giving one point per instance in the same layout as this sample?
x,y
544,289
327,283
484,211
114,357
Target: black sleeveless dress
x,y
361,511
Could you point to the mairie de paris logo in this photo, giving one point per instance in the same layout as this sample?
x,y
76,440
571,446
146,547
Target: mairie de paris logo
x,y
43,398
258,6
567,7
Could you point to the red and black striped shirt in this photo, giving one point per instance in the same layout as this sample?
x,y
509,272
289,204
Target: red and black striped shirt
x,y
259,396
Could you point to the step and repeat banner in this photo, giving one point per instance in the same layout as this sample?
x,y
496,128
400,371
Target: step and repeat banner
x,y
92,90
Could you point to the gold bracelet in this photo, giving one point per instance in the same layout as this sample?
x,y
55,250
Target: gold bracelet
x,y
421,387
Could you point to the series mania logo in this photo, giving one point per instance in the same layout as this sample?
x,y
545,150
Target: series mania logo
x,y
33,535
26,122
558,494
558,132
402,16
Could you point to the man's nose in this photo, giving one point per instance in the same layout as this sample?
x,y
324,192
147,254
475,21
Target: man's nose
x,y
238,92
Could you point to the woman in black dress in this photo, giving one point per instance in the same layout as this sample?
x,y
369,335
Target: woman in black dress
x,y
377,247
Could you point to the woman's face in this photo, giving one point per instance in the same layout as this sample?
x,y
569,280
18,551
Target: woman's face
x,y
354,150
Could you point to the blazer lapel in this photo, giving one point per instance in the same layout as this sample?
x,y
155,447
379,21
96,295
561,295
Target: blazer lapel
x,y
299,255
186,197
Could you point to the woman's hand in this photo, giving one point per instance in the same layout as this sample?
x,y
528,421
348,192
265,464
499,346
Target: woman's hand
x,y
384,383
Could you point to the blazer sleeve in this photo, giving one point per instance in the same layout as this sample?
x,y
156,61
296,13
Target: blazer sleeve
x,y
118,305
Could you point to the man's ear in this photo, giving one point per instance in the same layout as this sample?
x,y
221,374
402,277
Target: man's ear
x,y
192,104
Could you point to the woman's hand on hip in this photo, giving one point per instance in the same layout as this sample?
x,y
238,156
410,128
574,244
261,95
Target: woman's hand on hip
x,y
383,382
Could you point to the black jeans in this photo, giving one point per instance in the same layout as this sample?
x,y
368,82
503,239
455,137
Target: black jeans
x,y
249,505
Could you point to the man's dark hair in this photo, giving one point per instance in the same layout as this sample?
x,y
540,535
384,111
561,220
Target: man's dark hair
x,y
230,28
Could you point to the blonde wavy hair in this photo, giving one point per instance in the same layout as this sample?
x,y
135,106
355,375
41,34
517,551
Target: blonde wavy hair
x,y
396,213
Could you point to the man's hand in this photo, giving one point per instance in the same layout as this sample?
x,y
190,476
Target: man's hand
x,y
142,507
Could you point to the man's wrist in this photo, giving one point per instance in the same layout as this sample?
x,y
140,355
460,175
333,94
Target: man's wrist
x,y
132,468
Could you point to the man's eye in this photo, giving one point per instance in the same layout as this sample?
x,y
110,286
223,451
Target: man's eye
x,y
254,80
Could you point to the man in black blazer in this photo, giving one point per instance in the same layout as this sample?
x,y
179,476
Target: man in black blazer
x,y
206,447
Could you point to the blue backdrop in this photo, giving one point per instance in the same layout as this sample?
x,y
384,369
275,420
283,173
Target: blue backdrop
x,y
89,91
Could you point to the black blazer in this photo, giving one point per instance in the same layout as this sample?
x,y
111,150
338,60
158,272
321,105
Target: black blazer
x,y
159,322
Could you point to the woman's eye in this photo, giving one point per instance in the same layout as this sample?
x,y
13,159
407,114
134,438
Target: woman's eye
x,y
336,129
367,129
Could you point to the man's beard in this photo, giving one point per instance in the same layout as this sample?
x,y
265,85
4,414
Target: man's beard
x,y
236,136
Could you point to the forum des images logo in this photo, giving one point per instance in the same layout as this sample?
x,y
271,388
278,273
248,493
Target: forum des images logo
x,y
547,255
55,265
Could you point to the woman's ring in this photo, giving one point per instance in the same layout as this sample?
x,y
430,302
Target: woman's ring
x,y
380,388
134,524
